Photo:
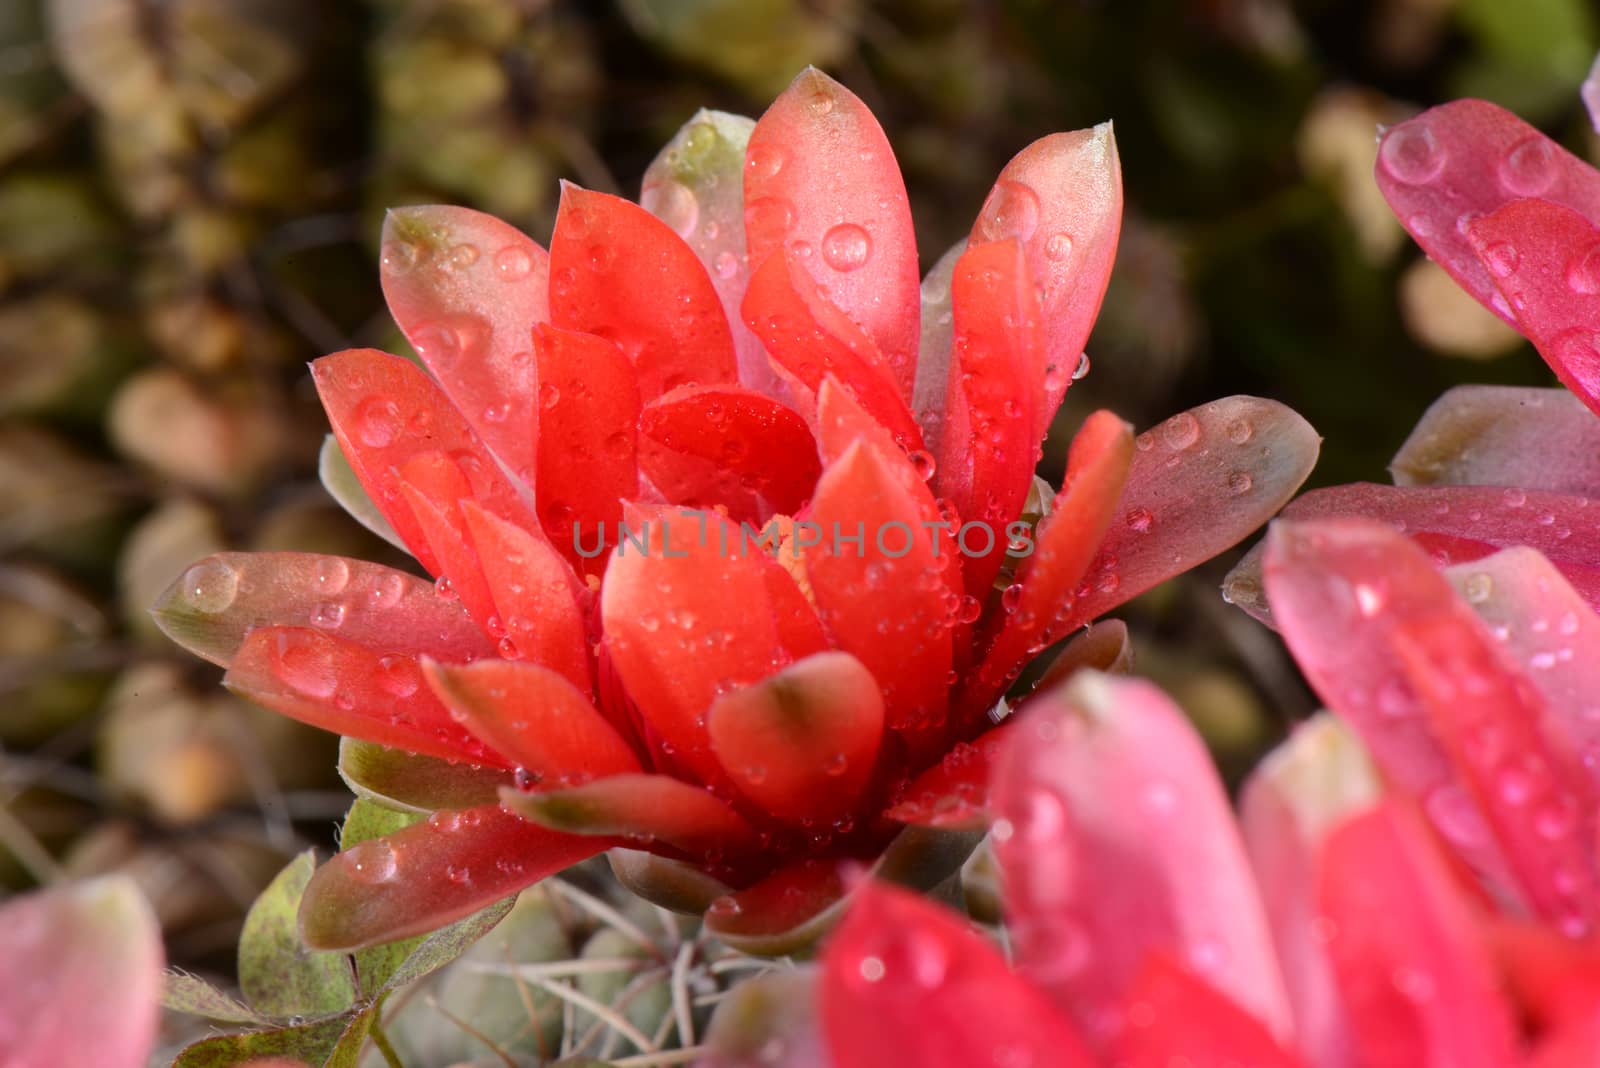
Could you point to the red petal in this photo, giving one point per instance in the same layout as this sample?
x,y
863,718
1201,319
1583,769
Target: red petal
x,y
999,370
1545,259
431,874
819,175
467,288
1111,805
1417,983
1459,524
806,333
620,272
218,600
882,598
1061,197
536,596
1063,546
1555,980
907,982
696,186
654,808
1453,163
1288,806
954,793
1199,484
384,411
691,615
782,913
765,447
349,689
802,743
1174,1017
533,717
435,487
588,442
1537,439
82,981
1388,645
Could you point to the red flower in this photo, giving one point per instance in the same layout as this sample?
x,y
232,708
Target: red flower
x,y
1515,219
751,354
1148,931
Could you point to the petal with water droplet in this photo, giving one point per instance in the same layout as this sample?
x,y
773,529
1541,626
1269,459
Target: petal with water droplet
x,y
654,808
407,782
934,353
1110,804
803,742
436,487
349,689
212,606
1416,980
618,271
431,876
819,150
954,793
1469,158
1537,439
533,717
905,981
1061,197
1552,285
489,304
82,981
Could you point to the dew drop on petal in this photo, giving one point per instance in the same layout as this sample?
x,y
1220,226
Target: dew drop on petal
x,y
1011,597
1240,483
377,422
846,247
1140,520
372,862
1501,259
1529,168
463,256
763,161
306,667
1081,370
210,586
443,588
1240,431
674,204
1412,154
398,675
328,615
922,462
1181,431
769,216
513,263
727,265
1058,247
1583,273
388,591
398,257
1012,210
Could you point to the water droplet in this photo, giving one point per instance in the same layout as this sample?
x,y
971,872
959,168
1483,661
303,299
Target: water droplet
x,y
1515,785
674,204
1140,520
1181,431
1412,154
1501,258
846,247
463,256
549,395
1011,597
1240,431
513,263
1058,247
1012,210
332,575
377,422
1583,273
922,462
968,609
1478,587
398,675
768,217
444,821
328,614
1369,600
1240,483
763,161
820,102
872,969
210,586
507,648
443,588
1082,368
1529,168
435,342
458,874
306,665
372,862
398,257
727,265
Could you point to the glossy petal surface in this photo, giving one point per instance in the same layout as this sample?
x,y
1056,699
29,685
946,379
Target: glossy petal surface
x,y
1535,439
1175,1017
638,807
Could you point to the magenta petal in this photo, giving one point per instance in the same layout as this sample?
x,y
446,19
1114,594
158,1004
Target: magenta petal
x,y
1288,806
1454,163
1535,439
1107,806
82,978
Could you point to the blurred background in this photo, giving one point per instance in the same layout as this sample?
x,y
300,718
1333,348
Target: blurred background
x,y
190,195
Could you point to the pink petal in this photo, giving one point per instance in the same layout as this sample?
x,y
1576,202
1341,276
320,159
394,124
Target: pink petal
x,y
1061,197
431,874
1535,439
349,689
1175,1017
1199,484
1443,169
808,335
648,808
82,979
1416,982
589,399
905,981
1545,260
534,718
819,176
761,445
696,186
1111,805
1289,804
619,272
467,288
672,599
1388,645
384,411
802,743
218,600
999,370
